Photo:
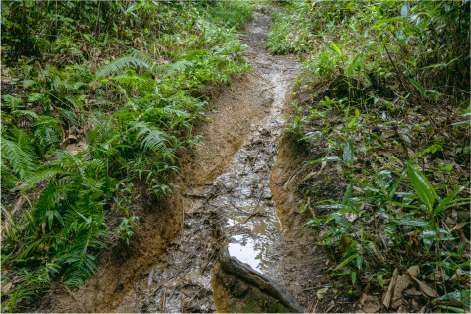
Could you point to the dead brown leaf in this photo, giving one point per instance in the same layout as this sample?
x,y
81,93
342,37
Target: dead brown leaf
x,y
77,148
426,289
402,282
369,304
389,293
414,271
402,309
7,287
370,308
413,292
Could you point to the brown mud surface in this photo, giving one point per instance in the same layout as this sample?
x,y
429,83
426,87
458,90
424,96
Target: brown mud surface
x,y
234,193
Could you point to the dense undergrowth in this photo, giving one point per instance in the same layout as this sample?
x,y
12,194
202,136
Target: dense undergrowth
x,y
382,119
98,100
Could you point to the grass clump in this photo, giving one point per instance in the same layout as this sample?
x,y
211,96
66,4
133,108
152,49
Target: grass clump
x,y
382,119
99,98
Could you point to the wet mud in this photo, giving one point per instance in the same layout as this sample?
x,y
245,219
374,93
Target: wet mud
x,y
234,197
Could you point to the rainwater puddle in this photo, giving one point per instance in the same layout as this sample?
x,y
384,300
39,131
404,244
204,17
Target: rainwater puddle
x,y
235,209
244,250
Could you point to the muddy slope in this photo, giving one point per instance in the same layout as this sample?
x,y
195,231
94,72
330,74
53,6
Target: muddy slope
x,y
229,203
224,200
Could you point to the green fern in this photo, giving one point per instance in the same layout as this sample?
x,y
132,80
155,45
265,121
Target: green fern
x,y
32,282
39,176
25,113
151,138
47,208
135,59
135,82
132,124
12,102
19,160
47,132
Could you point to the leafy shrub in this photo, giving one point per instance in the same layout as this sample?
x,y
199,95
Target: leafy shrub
x,y
381,127
100,96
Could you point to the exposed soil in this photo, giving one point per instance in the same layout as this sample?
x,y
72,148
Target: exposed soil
x,y
233,194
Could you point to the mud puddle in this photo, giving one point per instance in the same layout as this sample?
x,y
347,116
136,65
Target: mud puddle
x,y
234,209
224,203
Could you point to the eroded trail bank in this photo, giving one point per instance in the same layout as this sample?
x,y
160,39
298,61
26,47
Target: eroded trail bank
x,y
228,200
224,201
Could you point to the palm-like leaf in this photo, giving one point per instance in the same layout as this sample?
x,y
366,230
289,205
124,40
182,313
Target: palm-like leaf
x,y
20,161
151,138
135,59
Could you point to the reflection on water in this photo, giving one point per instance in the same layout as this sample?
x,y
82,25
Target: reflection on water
x,y
243,194
244,250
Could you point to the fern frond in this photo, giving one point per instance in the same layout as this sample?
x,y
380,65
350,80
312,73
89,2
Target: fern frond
x,y
48,203
80,268
23,139
136,82
20,161
135,59
13,102
151,138
95,167
25,113
38,177
47,131
178,66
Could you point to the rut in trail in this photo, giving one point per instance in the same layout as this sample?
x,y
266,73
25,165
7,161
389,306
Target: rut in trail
x,y
225,196
236,207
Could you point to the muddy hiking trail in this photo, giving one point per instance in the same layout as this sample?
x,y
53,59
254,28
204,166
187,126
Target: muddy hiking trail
x,y
230,239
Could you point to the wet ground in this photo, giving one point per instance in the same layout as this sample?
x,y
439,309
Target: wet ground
x,y
233,194
235,208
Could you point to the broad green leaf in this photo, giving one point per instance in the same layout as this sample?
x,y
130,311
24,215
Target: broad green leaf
x,y
453,309
354,277
352,122
348,153
412,222
449,200
336,49
422,187
345,262
458,297
428,237
419,87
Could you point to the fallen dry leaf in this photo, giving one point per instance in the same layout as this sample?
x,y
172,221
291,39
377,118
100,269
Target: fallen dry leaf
x,y
369,304
402,309
426,289
414,271
402,282
370,308
6,287
388,295
412,292
77,148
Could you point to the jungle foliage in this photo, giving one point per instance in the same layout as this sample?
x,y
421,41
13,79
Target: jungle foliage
x,y
99,99
382,119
